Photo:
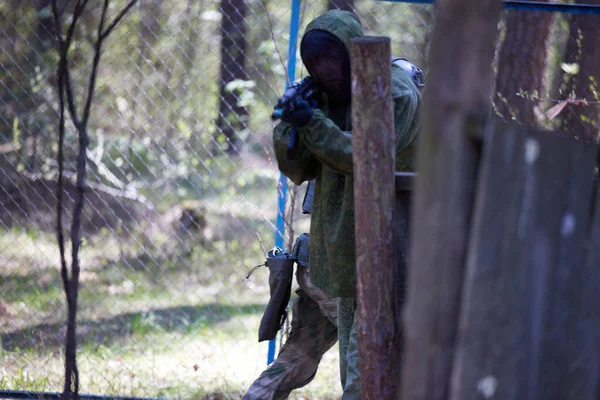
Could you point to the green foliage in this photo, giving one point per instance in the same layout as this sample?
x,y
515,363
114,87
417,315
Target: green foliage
x,y
24,381
144,323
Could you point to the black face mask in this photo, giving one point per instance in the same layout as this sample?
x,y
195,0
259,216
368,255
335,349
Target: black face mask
x,y
327,61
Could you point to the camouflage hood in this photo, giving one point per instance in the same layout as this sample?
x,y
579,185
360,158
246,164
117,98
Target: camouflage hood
x,y
342,24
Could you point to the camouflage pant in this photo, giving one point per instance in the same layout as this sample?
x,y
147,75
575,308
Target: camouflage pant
x,y
349,368
314,331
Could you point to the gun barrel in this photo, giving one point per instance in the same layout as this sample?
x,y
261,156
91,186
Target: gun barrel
x,y
277,114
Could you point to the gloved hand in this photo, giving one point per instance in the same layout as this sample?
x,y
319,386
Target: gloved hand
x,y
300,115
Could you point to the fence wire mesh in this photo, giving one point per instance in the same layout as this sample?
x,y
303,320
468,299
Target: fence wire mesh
x,y
182,181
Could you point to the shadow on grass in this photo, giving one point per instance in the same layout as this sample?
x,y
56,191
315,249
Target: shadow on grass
x,y
34,288
184,319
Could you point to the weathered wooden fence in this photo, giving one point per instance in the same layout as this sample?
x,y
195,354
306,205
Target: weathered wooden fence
x,y
528,325
503,277
528,320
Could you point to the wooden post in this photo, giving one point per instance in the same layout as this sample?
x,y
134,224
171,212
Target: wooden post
x,y
456,106
373,138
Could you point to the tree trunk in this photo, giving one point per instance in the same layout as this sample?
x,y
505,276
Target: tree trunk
x,y
232,117
579,119
522,64
347,5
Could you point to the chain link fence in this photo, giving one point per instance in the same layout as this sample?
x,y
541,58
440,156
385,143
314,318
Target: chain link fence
x,y
182,181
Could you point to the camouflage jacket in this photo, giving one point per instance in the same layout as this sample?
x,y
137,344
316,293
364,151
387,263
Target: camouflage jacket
x,y
325,153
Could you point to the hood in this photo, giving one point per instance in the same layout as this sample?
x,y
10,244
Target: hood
x,y
342,24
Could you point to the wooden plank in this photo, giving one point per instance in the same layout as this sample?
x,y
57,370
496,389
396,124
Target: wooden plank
x,y
456,106
522,334
373,143
589,365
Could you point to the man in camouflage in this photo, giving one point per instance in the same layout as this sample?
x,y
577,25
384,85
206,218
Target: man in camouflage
x,y
324,154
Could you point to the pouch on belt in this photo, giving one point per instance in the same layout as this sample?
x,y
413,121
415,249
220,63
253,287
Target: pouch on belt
x,y
281,268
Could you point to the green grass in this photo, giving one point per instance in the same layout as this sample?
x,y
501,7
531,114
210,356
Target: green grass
x,y
154,320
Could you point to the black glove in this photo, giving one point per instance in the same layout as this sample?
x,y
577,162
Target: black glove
x,y
300,115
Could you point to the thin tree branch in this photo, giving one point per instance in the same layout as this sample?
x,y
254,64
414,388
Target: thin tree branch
x,y
262,246
63,47
59,195
57,28
287,77
96,62
65,89
118,19
79,7
61,136
290,222
80,185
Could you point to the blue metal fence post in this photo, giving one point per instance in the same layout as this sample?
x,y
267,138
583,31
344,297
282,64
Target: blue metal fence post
x,y
282,184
